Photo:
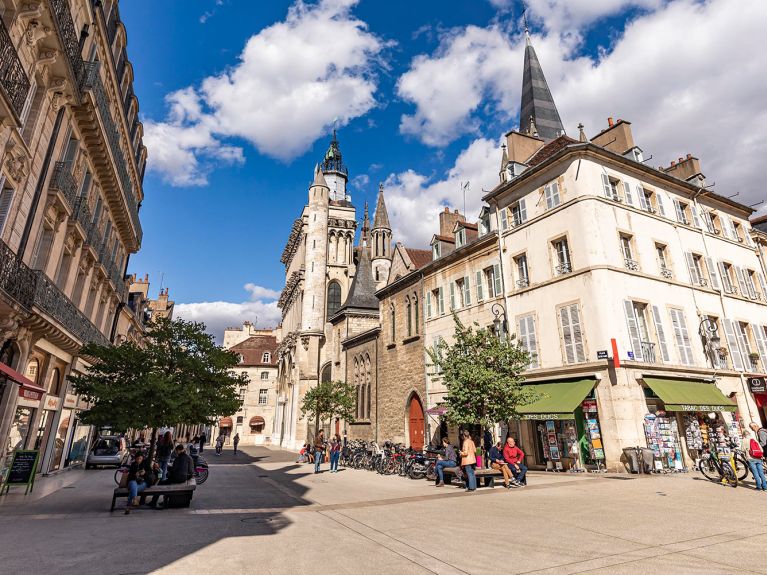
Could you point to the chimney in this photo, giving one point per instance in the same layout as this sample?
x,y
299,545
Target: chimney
x,y
447,221
610,122
687,169
616,138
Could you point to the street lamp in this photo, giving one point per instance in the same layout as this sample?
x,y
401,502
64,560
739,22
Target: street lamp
x,y
499,323
710,332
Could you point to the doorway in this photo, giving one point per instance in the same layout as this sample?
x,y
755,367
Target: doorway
x,y
415,420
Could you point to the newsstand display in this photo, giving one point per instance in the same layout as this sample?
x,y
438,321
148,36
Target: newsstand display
x,y
662,435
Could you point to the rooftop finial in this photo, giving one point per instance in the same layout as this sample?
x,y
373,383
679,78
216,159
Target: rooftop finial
x,y
527,30
581,134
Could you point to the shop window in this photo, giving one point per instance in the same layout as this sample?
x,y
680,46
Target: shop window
x,y
20,429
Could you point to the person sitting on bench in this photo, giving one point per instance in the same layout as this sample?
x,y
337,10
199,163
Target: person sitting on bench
x,y
514,456
495,456
449,459
181,471
140,476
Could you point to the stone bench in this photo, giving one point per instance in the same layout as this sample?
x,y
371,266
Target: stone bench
x,y
485,477
179,491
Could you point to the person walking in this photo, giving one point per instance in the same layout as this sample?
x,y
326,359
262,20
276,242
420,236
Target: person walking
x,y
469,460
236,442
514,456
203,439
754,454
219,444
449,459
335,453
319,450
163,453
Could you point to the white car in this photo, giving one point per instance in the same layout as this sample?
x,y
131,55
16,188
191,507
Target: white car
x,y
108,450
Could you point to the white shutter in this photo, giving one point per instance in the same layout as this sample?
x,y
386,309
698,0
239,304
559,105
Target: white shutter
x,y
572,334
694,279
567,335
522,211
452,296
712,274
695,218
466,291
441,300
631,321
726,226
761,344
750,283
661,207
741,281
743,341
682,337
504,219
428,304
547,194
732,343
763,285
6,198
642,198
707,219
497,279
606,186
679,212
726,283
575,321
526,333
661,333
627,191
480,291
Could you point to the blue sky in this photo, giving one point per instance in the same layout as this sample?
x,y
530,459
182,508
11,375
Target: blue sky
x,y
238,99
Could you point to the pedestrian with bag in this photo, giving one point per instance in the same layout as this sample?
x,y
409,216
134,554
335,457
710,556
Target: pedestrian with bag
x,y
319,450
469,460
754,455
335,453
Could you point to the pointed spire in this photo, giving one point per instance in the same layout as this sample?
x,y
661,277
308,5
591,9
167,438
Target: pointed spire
x,y
537,101
381,220
527,30
365,233
363,288
319,178
333,160
504,158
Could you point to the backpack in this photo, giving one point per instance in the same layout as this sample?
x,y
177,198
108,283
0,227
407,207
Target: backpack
x,y
754,449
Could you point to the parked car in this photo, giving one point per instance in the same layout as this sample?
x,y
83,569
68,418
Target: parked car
x,y
108,450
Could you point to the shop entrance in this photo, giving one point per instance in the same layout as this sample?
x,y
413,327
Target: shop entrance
x,y
415,423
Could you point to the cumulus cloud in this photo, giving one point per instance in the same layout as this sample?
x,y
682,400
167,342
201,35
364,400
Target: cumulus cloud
x,y
290,85
684,72
260,308
414,200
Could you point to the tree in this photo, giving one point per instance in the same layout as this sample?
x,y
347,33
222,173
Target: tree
x,y
327,400
179,375
482,373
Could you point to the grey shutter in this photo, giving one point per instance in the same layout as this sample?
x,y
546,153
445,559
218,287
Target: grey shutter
x,y
741,281
726,284
712,274
695,218
466,291
642,198
679,212
631,321
763,285
547,194
452,296
694,279
532,341
606,186
480,291
761,343
522,211
575,322
732,343
661,207
681,336
6,199
504,219
707,219
567,335
428,304
661,333
750,283
627,191
497,279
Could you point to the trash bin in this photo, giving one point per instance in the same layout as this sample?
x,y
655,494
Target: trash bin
x,y
648,457
632,459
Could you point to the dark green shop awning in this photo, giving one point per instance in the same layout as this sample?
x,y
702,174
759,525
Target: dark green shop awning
x,y
682,395
557,400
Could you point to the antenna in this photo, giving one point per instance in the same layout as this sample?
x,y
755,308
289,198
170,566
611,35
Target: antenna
x,y
162,280
464,187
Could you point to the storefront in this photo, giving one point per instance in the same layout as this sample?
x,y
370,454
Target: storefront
x,y
560,430
683,417
757,384
79,442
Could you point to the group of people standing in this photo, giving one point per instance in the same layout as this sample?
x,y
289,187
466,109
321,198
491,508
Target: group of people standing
x,y
315,453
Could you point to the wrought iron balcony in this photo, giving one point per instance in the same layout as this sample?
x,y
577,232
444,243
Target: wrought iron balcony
x,y
52,301
632,265
564,268
16,279
666,273
63,181
82,215
65,27
648,351
523,283
13,79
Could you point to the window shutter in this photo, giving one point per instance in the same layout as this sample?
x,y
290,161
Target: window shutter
x,y
43,249
428,304
532,341
567,335
740,333
712,274
631,321
466,291
522,332
522,211
694,279
681,336
555,193
575,322
726,226
726,284
679,212
606,186
441,300
708,221
480,292
761,342
452,296
661,333
695,218
763,285
749,283
6,198
627,190
741,281
732,343
642,198
547,195
661,207
497,279
504,219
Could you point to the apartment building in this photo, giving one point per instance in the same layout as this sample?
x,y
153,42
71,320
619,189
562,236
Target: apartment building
x,y
72,169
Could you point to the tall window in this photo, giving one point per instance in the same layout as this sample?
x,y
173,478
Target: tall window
x,y
636,319
6,199
408,309
523,280
562,255
572,334
493,275
682,209
627,252
393,323
263,396
334,298
415,313
528,338
695,268
551,193
660,253
519,213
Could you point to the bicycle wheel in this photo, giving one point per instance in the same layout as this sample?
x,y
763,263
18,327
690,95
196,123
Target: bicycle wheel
x,y
729,477
431,472
741,468
710,470
201,475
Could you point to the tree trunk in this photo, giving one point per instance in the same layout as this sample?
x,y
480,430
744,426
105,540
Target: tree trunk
x,y
317,424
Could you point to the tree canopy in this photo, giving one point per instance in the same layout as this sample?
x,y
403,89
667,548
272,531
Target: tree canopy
x,y
329,399
482,374
178,375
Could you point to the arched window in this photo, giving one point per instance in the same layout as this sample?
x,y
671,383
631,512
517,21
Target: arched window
x,y
334,298
415,312
33,368
325,375
408,310
357,387
367,386
393,327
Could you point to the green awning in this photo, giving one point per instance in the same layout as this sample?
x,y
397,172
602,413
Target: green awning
x,y
684,395
557,400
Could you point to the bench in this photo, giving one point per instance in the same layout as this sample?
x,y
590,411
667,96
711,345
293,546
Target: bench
x,y
485,477
179,491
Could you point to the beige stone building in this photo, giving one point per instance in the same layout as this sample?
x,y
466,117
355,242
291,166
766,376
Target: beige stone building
x,y
72,166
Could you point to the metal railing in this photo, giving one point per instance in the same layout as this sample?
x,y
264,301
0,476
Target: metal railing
x,y
666,273
16,279
13,79
648,351
63,181
65,26
631,264
564,268
523,283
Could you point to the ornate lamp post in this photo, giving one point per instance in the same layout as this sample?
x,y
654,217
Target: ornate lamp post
x,y
499,323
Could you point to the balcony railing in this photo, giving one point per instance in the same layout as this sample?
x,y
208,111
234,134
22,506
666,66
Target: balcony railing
x,y
564,268
63,181
648,351
523,283
13,79
92,81
65,27
16,279
632,265
52,301
666,273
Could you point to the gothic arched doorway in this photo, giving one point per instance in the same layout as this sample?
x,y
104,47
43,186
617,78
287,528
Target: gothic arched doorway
x,y
415,421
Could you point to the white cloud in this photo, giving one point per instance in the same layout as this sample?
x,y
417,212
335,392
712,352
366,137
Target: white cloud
x,y
293,80
562,16
415,200
260,308
687,75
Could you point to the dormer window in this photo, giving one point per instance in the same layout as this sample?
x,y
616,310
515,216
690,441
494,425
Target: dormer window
x,y
460,237
266,358
436,250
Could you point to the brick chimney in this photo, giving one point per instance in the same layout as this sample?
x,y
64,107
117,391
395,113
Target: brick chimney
x,y
447,220
687,169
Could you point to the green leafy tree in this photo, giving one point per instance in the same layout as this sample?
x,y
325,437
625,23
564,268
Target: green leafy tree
x,y
482,373
327,400
179,375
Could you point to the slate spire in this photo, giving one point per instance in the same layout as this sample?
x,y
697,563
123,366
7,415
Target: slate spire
x,y
537,101
381,220
362,292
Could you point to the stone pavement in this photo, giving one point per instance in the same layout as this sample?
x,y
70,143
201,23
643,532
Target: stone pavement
x,y
261,513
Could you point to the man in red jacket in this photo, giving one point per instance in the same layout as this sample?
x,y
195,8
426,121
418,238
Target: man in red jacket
x,y
514,456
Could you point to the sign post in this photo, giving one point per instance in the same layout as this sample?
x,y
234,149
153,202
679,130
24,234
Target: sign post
x,y
22,470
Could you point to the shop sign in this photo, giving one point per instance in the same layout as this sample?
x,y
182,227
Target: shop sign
x,y
52,402
684,407
757,384
30,394
589,405
603,354
70,400
547,416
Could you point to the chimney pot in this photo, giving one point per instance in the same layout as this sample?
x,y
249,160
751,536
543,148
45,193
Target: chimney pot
x,y
680,160
455,211
673,163
689,156
610,121
447,210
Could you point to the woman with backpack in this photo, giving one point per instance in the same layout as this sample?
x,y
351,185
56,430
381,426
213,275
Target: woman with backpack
x,y
754,455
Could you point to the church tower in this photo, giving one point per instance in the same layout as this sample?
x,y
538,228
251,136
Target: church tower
x,y
335,172
538,115
381,242
313,309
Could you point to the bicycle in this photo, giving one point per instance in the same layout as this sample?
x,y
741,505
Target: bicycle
x,y
715,468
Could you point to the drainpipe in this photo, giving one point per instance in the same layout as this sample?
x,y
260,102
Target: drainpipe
x,y
40,183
